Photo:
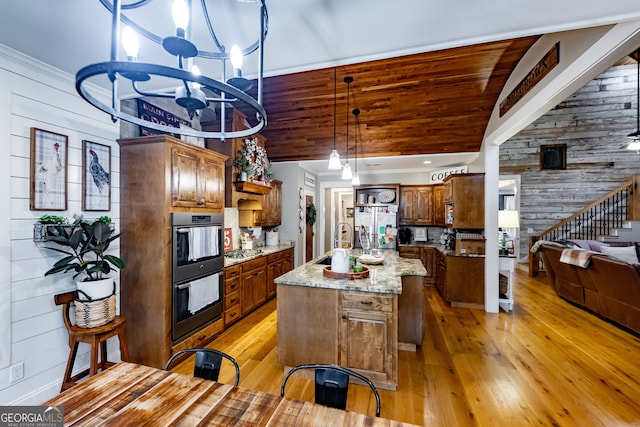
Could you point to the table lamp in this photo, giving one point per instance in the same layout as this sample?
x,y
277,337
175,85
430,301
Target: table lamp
x,y
507,219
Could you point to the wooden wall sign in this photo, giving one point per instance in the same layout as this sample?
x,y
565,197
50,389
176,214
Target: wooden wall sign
x,y
541,69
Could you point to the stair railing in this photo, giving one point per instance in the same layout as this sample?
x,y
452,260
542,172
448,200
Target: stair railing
x,y
598,219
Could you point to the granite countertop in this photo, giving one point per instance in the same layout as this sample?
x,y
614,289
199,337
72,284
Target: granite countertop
x,y
441,248
266,250
385,278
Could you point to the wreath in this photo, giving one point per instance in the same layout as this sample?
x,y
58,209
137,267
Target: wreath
x,y
311,214
257,156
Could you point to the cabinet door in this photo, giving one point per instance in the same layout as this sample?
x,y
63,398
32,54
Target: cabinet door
x,y
272,215
247,298
465,280
407,205
363,340
260,286
211,183
184,181
274,269
438,205
424,205
287,261
441,272
428,256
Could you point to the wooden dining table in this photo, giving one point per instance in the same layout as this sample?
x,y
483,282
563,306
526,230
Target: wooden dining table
x,y
129,394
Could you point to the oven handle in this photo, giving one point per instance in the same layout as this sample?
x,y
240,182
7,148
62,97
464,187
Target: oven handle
x,y
183,286
183,230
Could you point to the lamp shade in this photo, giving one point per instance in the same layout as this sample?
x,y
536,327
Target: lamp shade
x,y
508,219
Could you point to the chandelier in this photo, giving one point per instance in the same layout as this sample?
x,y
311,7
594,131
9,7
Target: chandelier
x,y
191,90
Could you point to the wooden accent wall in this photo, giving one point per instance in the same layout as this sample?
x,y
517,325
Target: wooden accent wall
x,y
593,123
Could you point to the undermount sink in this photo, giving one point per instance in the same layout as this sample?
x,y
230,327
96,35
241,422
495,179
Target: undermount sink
x,y
324,261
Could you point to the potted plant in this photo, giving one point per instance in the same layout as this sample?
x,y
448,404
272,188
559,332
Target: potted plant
x,y
86,255
243,163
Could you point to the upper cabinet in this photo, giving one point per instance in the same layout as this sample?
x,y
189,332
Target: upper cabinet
x,y
189,177
464,201
438,205
197,178
416,205
272,207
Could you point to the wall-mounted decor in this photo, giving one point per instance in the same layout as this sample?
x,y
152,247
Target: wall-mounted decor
x,y
349,212
309,180
553,156
96,176
153,114
48,177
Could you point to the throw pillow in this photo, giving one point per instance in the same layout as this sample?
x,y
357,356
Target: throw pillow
x,y
624,253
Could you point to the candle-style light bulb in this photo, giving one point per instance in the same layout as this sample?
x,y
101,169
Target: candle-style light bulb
x,y
196,71
236,57
180,13
130,43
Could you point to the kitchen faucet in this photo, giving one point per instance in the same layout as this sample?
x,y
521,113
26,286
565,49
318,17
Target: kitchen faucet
x,y
338,241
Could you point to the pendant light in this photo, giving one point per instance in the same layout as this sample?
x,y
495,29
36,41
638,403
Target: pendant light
x,y
334,158
635,136
346,170
355,180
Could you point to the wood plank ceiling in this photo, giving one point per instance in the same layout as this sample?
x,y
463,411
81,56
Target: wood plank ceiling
x,y
435,102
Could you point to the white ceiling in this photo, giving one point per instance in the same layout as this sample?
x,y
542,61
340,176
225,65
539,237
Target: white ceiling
x,y
309,34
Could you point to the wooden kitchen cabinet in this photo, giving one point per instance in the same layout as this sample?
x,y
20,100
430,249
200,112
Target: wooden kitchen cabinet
x,y
272,206
441,272
254,284
288,260
232,294
274,269
368,335
160,175
197,178
464,282
426,254
416,204
438,205
428,257
464,201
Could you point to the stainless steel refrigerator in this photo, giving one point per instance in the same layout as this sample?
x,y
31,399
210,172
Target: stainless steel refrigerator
x,y
380,222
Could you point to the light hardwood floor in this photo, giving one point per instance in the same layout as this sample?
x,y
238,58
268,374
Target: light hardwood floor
x,y
547,363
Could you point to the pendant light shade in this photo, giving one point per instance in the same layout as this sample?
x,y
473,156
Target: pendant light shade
x,y
346,170
334,158
634,137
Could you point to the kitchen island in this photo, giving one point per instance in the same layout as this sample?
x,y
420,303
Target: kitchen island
x,y
357,324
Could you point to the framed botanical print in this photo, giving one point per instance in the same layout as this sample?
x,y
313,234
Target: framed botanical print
x,y
48,171
96,176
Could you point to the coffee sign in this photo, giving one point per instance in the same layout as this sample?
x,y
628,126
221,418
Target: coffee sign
x,y
436,177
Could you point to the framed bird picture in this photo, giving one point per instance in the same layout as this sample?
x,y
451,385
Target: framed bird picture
x,y
96,176
48,183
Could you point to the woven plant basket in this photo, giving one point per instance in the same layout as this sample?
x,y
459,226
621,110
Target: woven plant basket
x,y
90,314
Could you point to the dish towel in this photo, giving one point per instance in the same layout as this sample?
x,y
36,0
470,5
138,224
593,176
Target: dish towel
x,y
203,292
195,243
579,257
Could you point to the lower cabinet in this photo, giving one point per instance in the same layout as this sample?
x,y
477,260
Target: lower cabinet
x,y
251,283
357,330
368,339
232,308
274,269
254,284
460,280
464,283
428,257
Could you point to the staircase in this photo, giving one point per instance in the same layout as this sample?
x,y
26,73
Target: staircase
x,y
607,219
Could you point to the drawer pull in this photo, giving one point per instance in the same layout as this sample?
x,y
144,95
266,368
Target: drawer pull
x,y
366,302
201,337
344,316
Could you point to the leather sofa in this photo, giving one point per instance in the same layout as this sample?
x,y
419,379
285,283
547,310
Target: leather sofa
x,y
608,287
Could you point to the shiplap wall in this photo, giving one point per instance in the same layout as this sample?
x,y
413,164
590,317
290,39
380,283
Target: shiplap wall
x,y
32,331
593,124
